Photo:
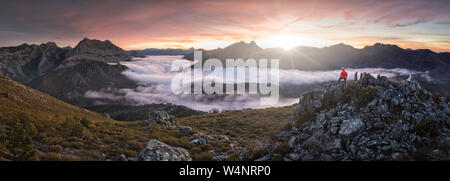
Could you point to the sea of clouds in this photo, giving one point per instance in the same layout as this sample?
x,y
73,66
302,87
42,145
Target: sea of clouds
x,y
154,76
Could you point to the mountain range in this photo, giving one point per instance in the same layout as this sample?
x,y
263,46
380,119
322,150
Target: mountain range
x,y
340,55
156,51
66,73
387,56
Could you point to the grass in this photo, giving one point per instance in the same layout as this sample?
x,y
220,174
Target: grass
x,y
66,132
250,129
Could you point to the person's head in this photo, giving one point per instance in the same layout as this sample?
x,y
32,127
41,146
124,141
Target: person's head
x,y
343,68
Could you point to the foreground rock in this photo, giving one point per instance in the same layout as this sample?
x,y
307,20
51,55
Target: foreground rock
x,y
371,119
159,151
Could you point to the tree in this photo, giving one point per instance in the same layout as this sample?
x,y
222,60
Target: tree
x,y
19,138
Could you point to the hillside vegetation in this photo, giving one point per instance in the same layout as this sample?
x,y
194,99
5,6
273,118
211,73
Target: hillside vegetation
x,y
36,126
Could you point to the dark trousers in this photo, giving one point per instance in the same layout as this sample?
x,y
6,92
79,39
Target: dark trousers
x,y
339,81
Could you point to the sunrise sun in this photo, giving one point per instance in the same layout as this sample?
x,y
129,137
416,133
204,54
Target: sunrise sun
x,y
285,41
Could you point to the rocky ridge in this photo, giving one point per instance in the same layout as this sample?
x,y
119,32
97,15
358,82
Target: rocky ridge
x,y
103,51
25,62
67,73
371,119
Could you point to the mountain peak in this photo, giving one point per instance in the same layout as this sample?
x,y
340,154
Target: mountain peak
x,y
382,46
94,42
93,49
49,44
341,45
244,45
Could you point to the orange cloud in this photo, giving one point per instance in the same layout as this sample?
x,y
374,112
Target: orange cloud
x,y
139,23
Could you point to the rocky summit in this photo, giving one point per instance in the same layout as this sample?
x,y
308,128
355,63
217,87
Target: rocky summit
x,y
371,119
104,51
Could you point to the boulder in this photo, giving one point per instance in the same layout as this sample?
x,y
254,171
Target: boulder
x,y
184,130
350,126
159,151
220,158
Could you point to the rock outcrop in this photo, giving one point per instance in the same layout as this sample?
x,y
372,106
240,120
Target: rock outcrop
x,y
371,119
25,62
70,84
161,118
103,51
159,151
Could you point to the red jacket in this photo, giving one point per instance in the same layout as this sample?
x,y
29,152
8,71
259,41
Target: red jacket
x,y
344,74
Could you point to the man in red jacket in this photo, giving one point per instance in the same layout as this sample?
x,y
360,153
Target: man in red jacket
x,y
343,76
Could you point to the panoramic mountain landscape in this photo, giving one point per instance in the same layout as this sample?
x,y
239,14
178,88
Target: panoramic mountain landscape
x,y
115,81
111,124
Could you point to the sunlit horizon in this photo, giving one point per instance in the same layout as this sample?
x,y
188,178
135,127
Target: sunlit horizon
x,y
216,24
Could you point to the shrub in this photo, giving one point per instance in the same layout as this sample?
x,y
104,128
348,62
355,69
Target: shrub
x,y
304,116
424,95
436,97
51,156
361,96
73,127
203,156
427,127
135,145
55,148
85,122
253,153
130,153
19,139
282,149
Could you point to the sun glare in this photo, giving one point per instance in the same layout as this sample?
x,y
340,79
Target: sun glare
x,y
289,41
285,41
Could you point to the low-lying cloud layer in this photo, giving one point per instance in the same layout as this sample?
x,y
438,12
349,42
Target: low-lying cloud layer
x,y
154,77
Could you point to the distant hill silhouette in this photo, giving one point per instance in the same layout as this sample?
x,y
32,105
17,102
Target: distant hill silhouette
x,y
156,51
336,56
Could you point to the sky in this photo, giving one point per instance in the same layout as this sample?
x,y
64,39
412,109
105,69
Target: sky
x,y
211,24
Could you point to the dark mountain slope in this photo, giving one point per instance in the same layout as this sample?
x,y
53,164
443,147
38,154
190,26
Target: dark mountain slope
x,y
70,84
49,129
66,73
336,56
26,62
156,51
